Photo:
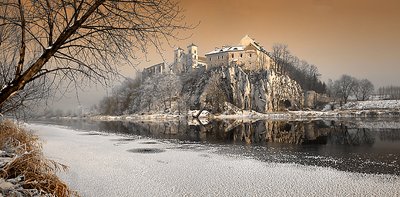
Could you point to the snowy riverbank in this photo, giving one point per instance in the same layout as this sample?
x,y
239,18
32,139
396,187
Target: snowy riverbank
x,y
354,109
114,165
24,171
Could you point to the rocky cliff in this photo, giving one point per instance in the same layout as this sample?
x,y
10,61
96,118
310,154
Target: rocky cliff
x,y
261,91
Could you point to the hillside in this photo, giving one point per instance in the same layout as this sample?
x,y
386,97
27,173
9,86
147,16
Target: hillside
x,y
258,90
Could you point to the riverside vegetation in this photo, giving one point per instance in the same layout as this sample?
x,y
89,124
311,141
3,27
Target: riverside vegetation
x,y
24,171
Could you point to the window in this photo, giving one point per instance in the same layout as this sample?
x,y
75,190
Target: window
x,y
194,51
241,55
233,55
218,56
250,54
210,58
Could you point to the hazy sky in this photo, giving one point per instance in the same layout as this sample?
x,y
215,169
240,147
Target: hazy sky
x,y
356,37
360,37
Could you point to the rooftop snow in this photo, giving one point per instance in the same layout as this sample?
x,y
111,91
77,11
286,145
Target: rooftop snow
x,y
226,49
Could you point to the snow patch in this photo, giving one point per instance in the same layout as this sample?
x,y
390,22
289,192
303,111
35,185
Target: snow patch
x,y
203,114
376,104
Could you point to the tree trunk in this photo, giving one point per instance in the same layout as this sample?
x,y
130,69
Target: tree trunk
x,y
20,81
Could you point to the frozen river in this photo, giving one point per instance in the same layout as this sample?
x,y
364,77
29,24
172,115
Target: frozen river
x,y
121,164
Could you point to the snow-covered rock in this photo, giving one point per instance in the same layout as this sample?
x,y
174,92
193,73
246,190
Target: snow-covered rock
x,y
203,114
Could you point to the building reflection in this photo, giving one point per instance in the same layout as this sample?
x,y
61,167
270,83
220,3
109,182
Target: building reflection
x,y
252,132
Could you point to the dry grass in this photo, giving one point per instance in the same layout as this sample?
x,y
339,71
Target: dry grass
x,y
29,161
17,139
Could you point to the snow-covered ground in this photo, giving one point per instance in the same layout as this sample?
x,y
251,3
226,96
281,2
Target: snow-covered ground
x,y
374,108
107,165
376,104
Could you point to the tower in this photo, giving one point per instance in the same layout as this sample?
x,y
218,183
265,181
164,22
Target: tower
x,y
178,55
179,61
192,57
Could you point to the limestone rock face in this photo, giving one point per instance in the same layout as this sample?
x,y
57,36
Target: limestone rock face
x,y
258,90
261,91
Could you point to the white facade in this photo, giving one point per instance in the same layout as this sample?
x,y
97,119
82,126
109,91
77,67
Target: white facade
x,y
186,62
248,54
155,70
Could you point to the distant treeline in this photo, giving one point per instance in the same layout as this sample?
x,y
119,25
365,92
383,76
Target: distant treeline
x,y
389,92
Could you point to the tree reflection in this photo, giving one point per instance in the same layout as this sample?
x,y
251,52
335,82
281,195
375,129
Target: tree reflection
x,y
342,134
250,131
289,132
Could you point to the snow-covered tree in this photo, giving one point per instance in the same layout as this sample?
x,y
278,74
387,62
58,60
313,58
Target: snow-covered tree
x,y
119,101
171,87
148,93
215,96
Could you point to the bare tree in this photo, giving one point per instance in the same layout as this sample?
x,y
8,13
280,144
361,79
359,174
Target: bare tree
x,y
363,89
149,92
307,75
171,87
79,40
344,87
215,96
281,55
389,92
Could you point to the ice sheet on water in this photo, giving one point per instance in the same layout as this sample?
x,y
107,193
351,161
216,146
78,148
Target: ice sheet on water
x,y
98,168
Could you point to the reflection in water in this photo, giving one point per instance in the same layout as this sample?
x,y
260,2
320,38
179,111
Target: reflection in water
x,y
358,146
249,132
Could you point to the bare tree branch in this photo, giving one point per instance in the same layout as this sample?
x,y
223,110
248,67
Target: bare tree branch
x,y
80,39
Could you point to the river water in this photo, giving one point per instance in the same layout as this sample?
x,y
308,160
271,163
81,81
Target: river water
x,y
370,146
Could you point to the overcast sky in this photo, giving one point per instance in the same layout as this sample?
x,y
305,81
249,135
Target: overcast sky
x,y
356,37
